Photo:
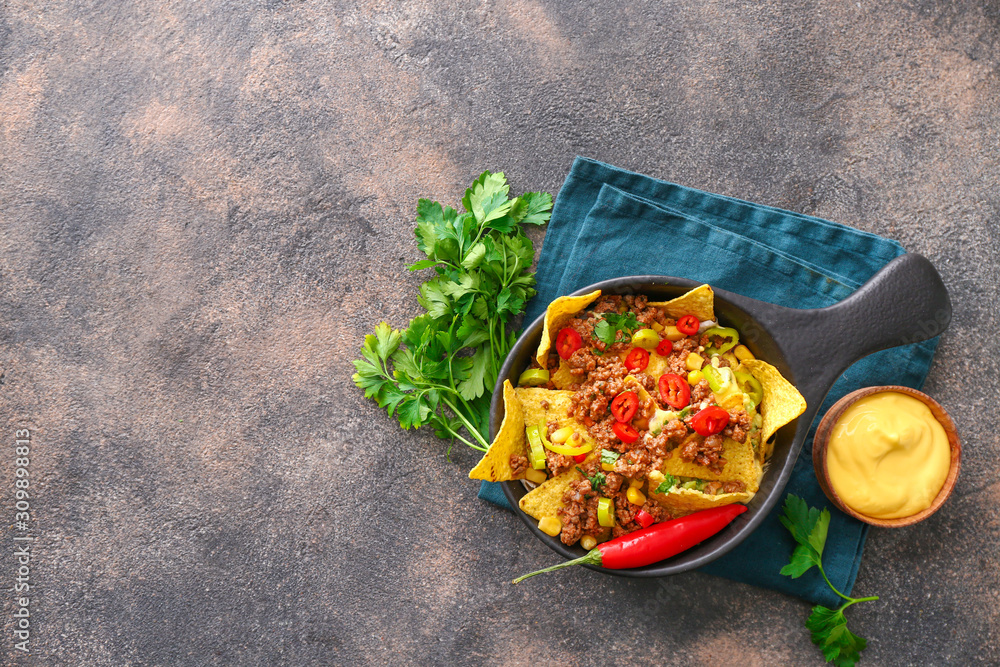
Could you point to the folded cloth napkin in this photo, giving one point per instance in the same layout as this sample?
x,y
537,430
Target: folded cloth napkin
x,y
609,222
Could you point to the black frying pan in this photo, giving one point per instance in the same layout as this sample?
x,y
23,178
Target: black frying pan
x,y
905,302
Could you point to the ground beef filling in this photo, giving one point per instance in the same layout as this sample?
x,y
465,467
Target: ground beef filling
x,y
518,465
706,451
713,488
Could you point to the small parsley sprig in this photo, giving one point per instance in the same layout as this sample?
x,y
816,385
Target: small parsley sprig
x,y
829,630
596,481
609,327
439,370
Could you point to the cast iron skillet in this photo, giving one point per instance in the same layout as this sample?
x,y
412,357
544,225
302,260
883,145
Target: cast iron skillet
x,y
905,302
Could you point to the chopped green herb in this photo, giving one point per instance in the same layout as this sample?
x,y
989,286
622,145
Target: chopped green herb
x,y
828,627
667,484
609,456
614,327
596,481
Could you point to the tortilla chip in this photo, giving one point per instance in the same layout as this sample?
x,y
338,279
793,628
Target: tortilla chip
x,y
559,402
782,402
742,464
686,501
546,498
562,378
559,312
699,302
511,439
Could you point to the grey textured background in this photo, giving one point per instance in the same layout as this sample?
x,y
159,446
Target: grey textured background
x,y
204,206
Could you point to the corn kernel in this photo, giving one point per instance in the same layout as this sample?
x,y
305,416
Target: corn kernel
x,y
536,476
657,327
562,435
635,496
588,542
607,467
694,361
655,478
743,353
550,525
673,333
731,358
694,377
635,483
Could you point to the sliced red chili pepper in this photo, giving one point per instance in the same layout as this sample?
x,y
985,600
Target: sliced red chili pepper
x,y
580,458
710,421
665,347
624,405
655,543
625,432
568,341
688,325
637,360
674,390
644,518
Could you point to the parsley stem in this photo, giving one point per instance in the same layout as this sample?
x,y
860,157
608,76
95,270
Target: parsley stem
x,y
821,571
468,426
455,435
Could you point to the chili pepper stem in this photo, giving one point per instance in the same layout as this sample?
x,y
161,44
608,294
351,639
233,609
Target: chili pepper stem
x,y
593,557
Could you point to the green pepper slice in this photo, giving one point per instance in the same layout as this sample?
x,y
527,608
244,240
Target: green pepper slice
x,y
533,377
536,453
731,335
751,386
714,378
606,512
646,339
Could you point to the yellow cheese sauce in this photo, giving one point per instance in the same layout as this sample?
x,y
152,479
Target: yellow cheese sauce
x,y
888,456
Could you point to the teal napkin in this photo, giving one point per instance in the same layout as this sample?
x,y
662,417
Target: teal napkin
x,y
609,222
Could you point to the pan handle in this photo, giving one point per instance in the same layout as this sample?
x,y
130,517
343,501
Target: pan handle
x,y
905,302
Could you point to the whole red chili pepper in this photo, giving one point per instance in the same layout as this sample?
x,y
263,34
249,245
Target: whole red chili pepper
x,y
653,544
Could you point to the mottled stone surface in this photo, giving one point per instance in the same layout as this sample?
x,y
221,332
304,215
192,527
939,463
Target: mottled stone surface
x,y
205,205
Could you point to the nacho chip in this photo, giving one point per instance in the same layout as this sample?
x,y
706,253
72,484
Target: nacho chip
x,y
699,302
559,312
741,464
546,499
511,439
534,401
562,378
782,402
686,501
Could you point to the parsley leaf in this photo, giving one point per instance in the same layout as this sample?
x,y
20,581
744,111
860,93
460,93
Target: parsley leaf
x,y
440,370
667,484
596,481
828,627
609,327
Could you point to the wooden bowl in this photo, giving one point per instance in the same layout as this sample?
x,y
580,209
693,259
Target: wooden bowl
x,y
823,437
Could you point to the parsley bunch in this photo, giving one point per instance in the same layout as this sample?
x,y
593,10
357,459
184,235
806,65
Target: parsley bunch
x,y
828,626
440,370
